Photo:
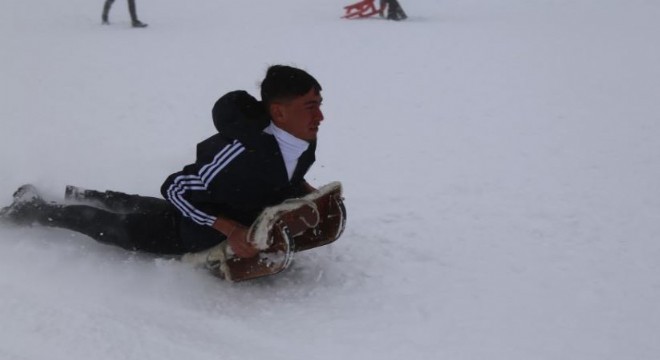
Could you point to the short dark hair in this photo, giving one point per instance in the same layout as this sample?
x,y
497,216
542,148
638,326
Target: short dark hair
x,y
285,82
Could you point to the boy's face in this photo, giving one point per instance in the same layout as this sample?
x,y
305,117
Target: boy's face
x,y
299,117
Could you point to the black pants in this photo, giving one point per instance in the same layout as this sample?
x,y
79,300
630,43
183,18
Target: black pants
x,y
131,9
394,10
132,222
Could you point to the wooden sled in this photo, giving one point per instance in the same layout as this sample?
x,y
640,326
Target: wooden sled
x,y
361,9
299,224
330,205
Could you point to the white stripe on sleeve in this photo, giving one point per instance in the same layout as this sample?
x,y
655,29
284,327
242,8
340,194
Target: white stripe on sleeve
x,y
200,182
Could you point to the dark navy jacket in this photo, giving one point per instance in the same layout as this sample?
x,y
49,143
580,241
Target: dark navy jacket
x,y
238,172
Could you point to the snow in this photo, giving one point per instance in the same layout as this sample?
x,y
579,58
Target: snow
x,y
499,161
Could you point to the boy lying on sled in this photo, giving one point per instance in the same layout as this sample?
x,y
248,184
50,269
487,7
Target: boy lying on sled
x,y
217,207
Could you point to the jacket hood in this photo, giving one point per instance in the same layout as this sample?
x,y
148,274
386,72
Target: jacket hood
x,y
238,115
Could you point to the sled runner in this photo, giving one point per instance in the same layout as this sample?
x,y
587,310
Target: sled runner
x,y
297,224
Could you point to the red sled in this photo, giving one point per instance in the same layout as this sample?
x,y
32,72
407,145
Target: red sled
x,y
295,225
362,9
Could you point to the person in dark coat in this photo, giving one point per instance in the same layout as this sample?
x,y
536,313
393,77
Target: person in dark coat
x,y
131,10
258,158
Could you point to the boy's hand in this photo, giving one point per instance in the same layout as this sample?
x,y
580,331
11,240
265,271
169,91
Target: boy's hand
x,y
236,236
239,244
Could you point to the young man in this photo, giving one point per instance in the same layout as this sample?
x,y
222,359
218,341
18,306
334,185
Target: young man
x,y
131,10
258,158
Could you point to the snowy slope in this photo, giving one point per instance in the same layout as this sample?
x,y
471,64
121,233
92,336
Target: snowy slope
x,y
499,159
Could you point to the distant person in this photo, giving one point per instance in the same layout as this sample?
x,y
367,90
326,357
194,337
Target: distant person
x,y
131,9
394,10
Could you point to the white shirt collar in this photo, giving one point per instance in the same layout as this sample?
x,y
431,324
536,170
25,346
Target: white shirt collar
x,y
290,146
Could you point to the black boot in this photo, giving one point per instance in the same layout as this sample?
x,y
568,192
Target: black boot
x,y
106,11
139,24
27,208
134,19
395,11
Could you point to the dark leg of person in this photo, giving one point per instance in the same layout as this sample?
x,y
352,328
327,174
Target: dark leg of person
x,y
154,232
106,11
396,11
402,14
116,201
153,223
101,225
133,11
